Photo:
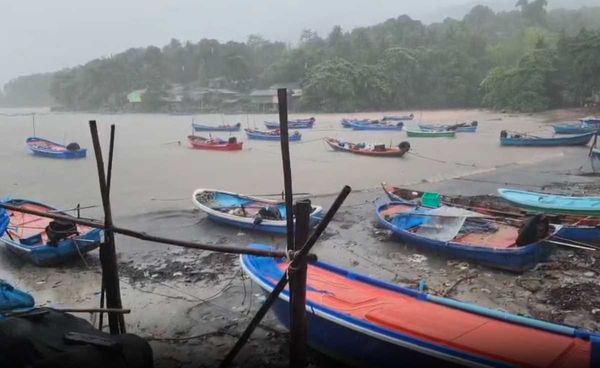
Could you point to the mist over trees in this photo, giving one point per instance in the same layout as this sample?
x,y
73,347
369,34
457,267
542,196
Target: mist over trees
x,y
528,59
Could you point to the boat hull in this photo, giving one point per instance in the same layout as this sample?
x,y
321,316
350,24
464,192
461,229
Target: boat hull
x,y
577,140
461,129
62,153
517,259
196,144
550,203
292,124
573,128
389,152
379,127
429,134
223,128
270,137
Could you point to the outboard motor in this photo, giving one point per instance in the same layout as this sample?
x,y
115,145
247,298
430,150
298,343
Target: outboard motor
x,y
533,229
58,230
74,146
503,134
474,123
404,146
232,140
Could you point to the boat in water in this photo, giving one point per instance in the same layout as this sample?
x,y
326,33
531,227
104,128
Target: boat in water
x,y
44,241
198,127
367,322
552,203
292,124
347,123
246,212
377,125
574,128
271,135
458,127
45,148
467,235
398,117
522,139
214,144
428,133
377,150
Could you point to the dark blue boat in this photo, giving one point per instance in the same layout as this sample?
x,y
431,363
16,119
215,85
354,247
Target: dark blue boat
x,y
271,135
367,322
292,124
347,123
474,240
376,125
220,128
45,148
13,300
43,241
573,128
517,139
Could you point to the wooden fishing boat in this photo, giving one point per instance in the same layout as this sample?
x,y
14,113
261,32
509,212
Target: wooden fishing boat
x,y
458,127
44,241
522,139
362,149
467,236
214,144
591,120
398,117
552,203
13,300
271,135
347,123
422,133
246,212
377,125
292,124
367,322
45,148
220,128
574,128
583,229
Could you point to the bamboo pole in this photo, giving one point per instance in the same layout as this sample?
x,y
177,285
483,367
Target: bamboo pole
x,y
284,279
287,169
108,255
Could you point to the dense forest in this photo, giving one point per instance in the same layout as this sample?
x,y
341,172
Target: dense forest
x,y
528,59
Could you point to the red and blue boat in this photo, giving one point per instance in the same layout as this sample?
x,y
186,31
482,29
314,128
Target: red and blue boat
x,y
43,241
271,135
366,322
45,148
292,124
198,127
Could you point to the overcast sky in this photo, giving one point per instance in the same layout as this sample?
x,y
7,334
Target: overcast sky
x,y
47,35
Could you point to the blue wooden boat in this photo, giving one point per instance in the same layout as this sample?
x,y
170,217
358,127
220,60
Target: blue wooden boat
x,y
552,203
347,123
220,128
591,120
365,322
13,300
573,128
472,239
45,148
43,241
246,212
376,125
4,221
292,124
459,128
398,117
271,135
518,139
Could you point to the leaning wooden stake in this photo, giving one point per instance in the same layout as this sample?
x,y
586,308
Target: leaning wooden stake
x,y
297,276
108,256
287,168
284,280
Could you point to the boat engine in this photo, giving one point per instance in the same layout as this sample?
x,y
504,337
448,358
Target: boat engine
x,y
74,146
404,146
232,140
503,134
533,229
60,230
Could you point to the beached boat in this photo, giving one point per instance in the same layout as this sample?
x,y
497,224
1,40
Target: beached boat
x,y
377,125
44,241
271,135
398,117
463,234
573,128
426,133
214,144
45,148
595,157
220,128
367,322
378,150
13,300
347,123
552,203
578,228
292,124
591,120
522,139
246,212
458,127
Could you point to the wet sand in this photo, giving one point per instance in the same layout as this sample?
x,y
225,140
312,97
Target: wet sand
x,y
176,293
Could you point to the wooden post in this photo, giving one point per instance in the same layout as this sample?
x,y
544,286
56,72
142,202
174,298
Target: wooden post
x,y
297,276
284,280
287,169
108,256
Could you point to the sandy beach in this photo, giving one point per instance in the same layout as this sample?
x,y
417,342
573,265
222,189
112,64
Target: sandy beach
x,y
193,304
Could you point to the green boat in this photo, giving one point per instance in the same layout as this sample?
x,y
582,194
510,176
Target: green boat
x,y
430,133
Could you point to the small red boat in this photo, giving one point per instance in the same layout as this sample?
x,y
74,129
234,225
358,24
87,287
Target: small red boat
x,y
362,149
215,144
